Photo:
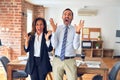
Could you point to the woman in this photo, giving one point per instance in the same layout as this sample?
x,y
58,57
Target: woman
x,y
37,43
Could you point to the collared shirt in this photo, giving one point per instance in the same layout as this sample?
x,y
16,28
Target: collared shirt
x,y
37,45
73,40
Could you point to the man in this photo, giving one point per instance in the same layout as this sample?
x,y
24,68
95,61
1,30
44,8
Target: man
x,y
65,40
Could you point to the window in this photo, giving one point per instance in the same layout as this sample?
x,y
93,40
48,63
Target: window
x,y
29,20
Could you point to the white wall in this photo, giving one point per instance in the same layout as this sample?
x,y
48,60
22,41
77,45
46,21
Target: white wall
x,y
108,19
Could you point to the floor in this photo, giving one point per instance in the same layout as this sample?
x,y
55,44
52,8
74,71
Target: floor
x,y
109,62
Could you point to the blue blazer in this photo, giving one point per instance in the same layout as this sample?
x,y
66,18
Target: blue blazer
x,y
44,57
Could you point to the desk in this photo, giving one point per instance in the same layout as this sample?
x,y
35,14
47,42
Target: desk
x,y
103,70
18,65
12,66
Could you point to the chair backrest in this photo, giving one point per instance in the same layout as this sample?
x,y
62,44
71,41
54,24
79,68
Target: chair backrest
x,y
4,60
114,71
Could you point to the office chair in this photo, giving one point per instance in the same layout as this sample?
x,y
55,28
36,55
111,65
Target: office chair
x,y
112,74
16,74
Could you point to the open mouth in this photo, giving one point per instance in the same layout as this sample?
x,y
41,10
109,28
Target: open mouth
x,y
66,20
38,30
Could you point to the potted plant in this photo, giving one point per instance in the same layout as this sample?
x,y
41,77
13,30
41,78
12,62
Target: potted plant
x,y
99,37
97,45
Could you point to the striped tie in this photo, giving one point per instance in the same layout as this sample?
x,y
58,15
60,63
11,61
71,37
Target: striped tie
x,y
62,56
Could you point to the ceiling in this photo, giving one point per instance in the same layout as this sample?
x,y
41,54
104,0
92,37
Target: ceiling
x,y
75,3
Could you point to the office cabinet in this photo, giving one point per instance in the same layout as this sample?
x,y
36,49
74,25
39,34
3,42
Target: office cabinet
x,y
92,44
96,49
91,34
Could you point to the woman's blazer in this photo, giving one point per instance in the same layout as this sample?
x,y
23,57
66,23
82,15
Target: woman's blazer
x,y
44,57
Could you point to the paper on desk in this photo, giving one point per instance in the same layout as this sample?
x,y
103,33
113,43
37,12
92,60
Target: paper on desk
x,y
93,64
23,62
78,62
22,57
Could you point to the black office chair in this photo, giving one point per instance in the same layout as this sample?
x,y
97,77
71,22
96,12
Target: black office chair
x,y
112,74
16,74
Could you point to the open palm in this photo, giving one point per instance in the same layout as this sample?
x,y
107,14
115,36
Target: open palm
x,y
47,35
78,27
54,26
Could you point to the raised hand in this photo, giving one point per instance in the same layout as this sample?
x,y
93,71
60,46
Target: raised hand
x,y
54,26
47,35
78,27
26,37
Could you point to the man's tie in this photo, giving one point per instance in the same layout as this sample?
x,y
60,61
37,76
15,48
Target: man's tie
x,y
62,56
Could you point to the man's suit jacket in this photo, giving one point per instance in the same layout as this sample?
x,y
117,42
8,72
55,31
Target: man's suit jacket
x,y
44,57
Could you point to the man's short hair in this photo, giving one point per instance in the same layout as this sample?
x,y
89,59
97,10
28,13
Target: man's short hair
x,y
68,10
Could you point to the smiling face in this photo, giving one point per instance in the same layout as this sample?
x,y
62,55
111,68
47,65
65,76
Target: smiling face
x,y
67,17
39,27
